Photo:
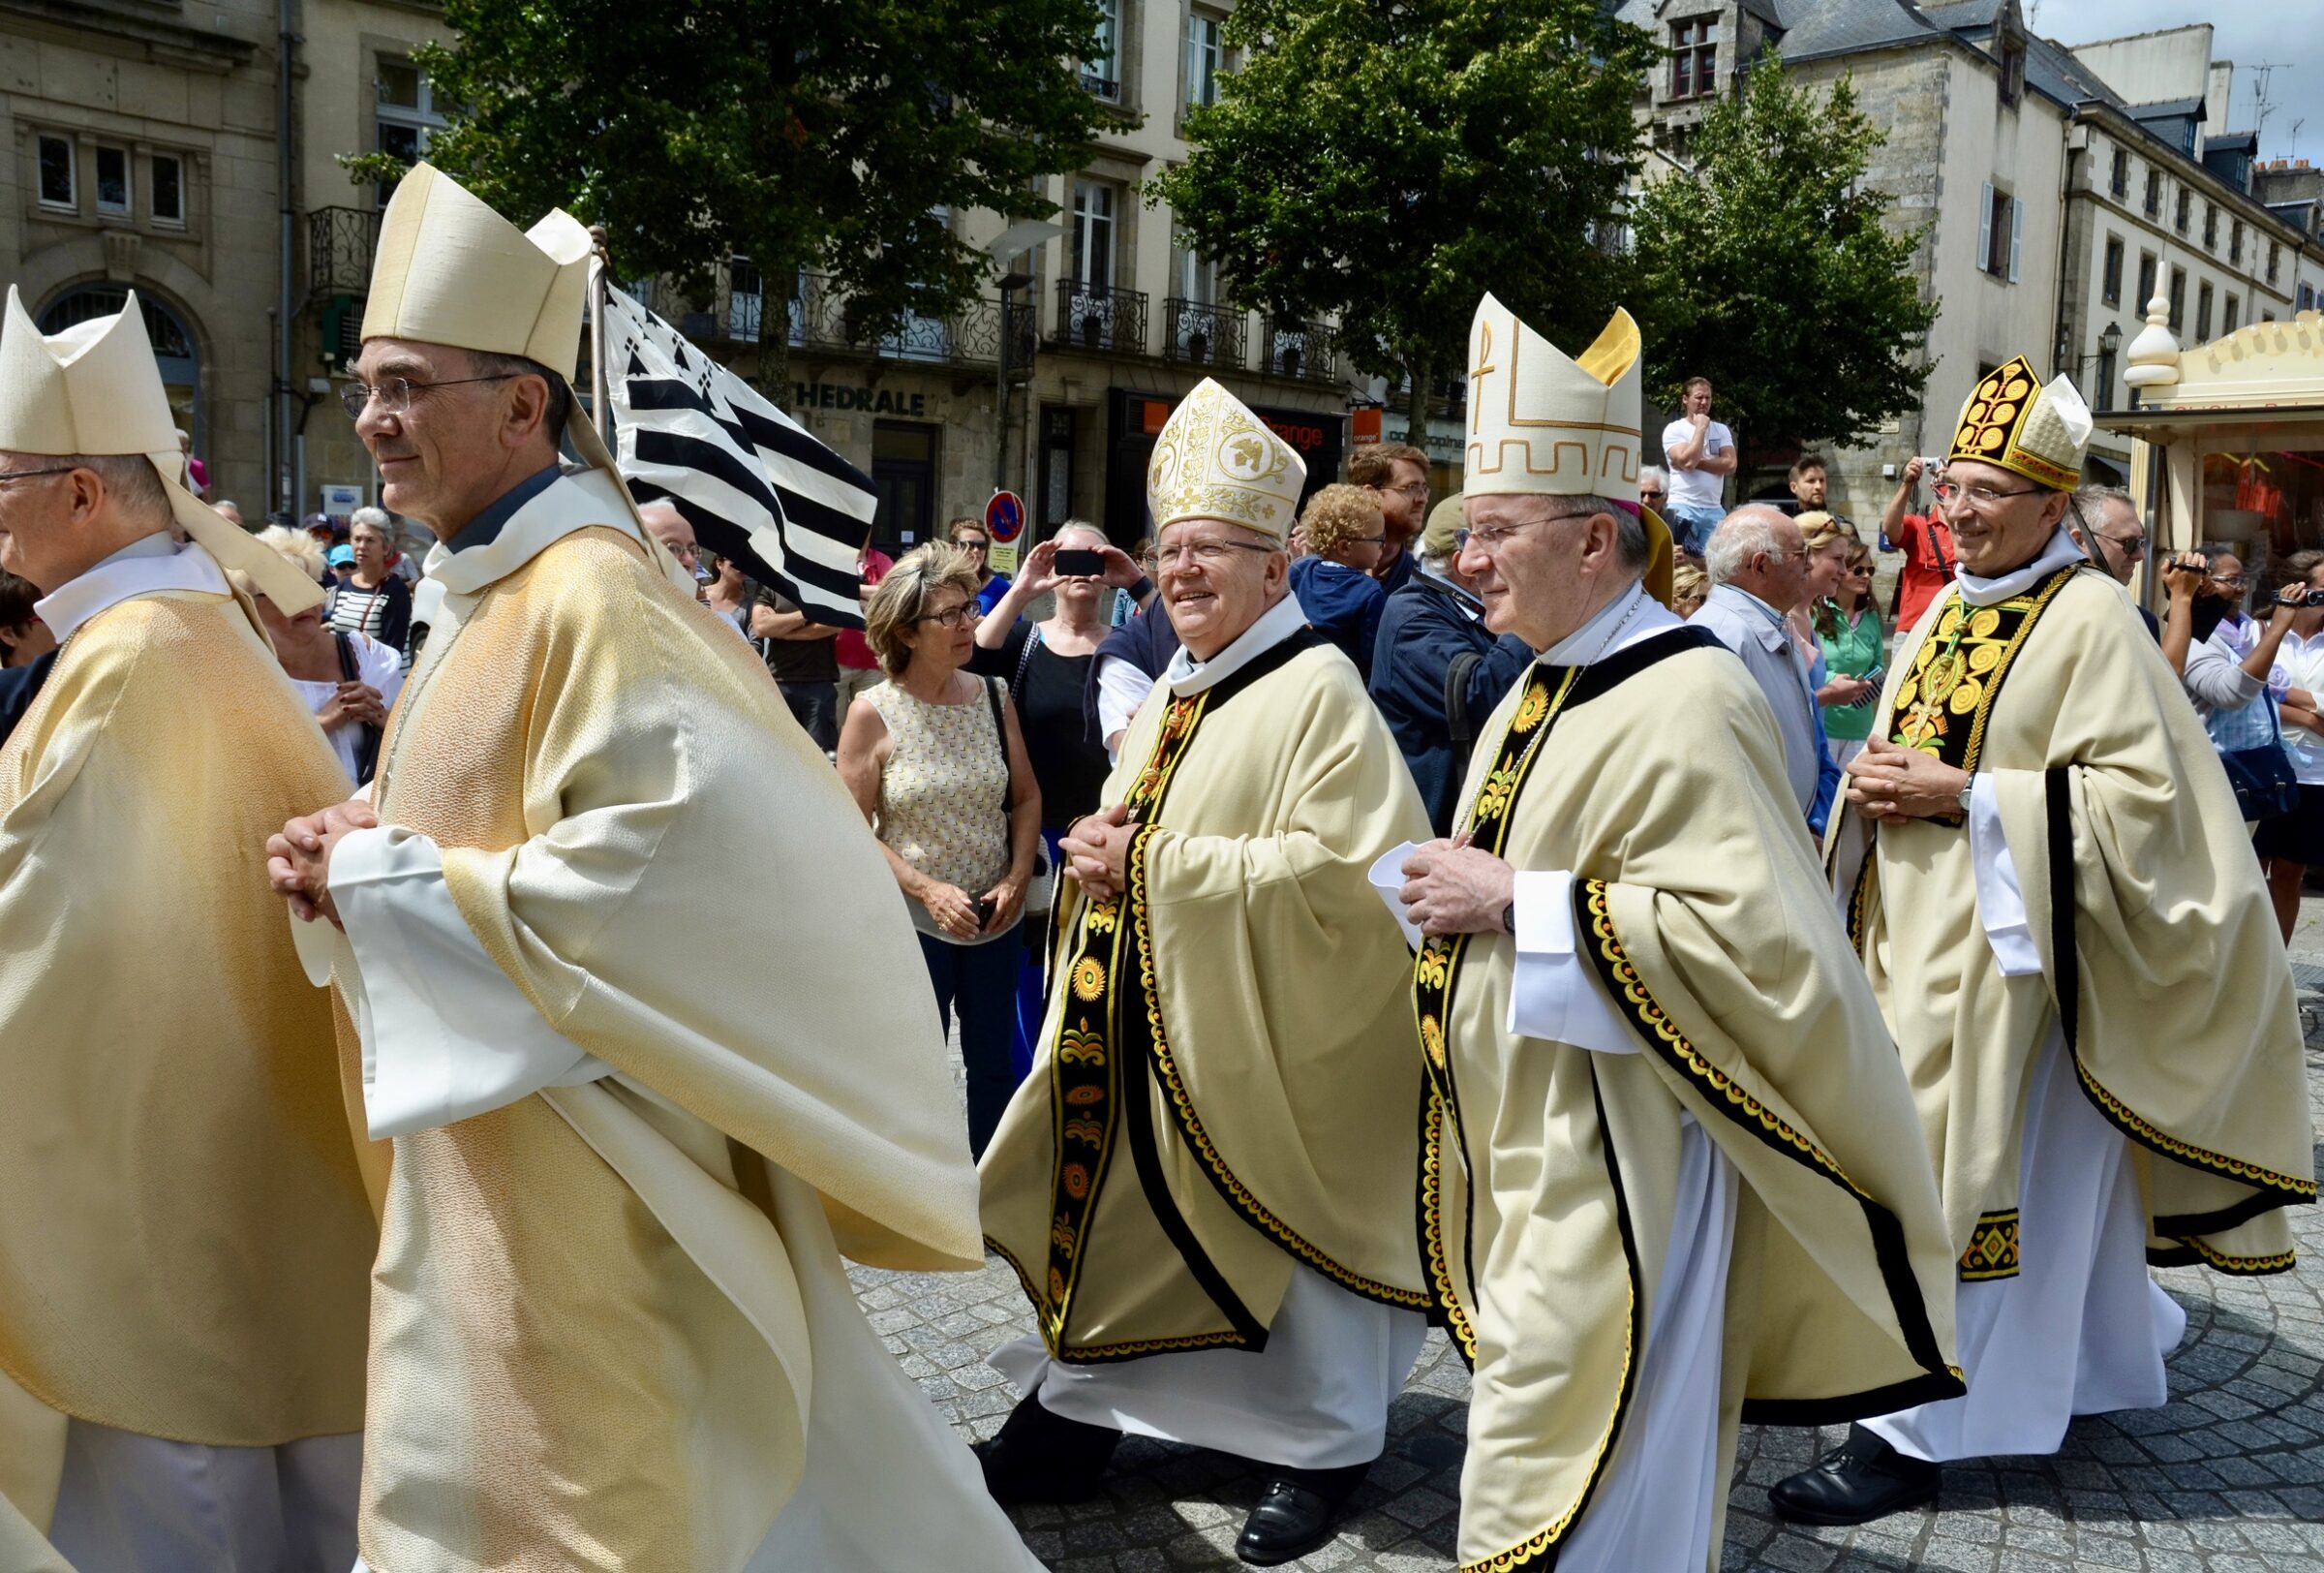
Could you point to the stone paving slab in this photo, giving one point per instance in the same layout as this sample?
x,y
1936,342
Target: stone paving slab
x,y
2228,1477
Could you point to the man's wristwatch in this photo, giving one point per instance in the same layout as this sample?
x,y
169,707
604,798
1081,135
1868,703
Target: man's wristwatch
x,y
1509,920
1961,798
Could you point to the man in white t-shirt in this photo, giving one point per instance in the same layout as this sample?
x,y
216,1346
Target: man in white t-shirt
x,y
1701,453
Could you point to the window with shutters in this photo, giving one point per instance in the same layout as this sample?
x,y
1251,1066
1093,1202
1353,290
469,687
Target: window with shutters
x,y
2118,182
2110,284
2001,233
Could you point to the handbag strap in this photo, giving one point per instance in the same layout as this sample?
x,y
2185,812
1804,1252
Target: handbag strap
x,y
1025,664
348,668
1000,735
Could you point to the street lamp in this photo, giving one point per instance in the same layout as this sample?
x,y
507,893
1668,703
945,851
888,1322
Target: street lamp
x,y
1014,241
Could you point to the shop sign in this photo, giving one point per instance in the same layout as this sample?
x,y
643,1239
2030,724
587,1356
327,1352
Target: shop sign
x,y
882,401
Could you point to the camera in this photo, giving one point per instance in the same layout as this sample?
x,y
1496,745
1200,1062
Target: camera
x,y
1079,564
2301,598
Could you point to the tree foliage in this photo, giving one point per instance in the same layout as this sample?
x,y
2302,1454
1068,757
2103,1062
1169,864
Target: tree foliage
x,y
1771,268
823,134
1388,164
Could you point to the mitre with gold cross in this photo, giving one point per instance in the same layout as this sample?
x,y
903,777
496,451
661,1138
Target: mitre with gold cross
x,y
1546,424
2013,420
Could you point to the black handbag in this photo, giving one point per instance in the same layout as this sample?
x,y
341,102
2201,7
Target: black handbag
x,y
2265,788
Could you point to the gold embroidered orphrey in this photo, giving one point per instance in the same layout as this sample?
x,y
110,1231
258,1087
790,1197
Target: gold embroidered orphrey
x,y
1436,970
1946,701
1086,1071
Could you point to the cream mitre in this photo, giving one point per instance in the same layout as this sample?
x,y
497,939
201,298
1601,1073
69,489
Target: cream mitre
x,y
1544,424
95,390
449,270
1216,460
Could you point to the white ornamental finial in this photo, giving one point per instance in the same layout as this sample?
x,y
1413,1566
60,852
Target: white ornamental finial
x,y
2154,359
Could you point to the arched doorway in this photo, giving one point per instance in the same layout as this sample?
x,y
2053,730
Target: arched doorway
x,y
174,348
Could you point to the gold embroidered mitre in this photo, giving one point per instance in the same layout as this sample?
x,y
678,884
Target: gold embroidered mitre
x,y
1216,460
1544,424
95,390
450,270
2014,421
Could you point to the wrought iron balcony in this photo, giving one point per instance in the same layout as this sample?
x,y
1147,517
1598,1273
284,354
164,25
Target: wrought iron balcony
x,y
1203,333
1092,317
340,242
822,317
1291,348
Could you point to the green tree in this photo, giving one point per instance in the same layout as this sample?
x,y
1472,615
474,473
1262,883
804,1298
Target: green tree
x,y
833,135
1774,268
1388,164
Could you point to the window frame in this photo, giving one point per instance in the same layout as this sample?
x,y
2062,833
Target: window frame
x,y
2231,315
1213,54
2118,179
127,206
41,198
2110,271
153,190
1695,56
1082,222
2150,276
2177,300
2184,214
1105,85
2152,204
2204,299
1998,256
2211,226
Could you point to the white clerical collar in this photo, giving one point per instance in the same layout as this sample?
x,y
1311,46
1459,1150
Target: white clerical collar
x,y
580,498
146,566
1620,623
1978,591
1185,675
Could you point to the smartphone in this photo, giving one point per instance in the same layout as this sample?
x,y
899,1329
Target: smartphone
x,y
1078,563
985,907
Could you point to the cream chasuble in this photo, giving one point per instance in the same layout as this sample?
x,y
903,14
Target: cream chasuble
x,y
1559,1186
610,1324
1226,1093
185,1237
2145,932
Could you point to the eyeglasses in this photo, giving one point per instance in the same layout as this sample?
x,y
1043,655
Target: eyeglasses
x,y
1980,498
2135,545
394,393
1371,541
1208,553
1648,493
2237,583
972,543
1492,537
27,475
951,616
1417,488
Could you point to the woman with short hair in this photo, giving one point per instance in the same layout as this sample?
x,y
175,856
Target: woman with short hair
x,y
373,601
938,763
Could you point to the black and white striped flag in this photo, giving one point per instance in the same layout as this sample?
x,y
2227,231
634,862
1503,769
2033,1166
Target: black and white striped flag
x,y
754,485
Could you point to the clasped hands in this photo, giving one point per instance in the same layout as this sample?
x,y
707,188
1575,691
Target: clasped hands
x,y
1890,782
299,857
1451,888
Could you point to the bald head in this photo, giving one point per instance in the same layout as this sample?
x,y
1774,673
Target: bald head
x,y
1759,550
665,524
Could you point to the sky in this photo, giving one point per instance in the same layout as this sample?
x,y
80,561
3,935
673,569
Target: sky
x,y
2290,33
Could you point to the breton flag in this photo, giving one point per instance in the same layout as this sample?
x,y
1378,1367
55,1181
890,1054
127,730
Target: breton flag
x,y
754,485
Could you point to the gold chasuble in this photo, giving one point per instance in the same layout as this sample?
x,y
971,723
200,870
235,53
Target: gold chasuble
x,y
610,1327
1227,1080
1548,1189
183,1231
2159,956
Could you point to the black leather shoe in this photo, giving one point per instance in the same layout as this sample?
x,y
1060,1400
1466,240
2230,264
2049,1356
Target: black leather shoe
x,y
1296,1513
1041,1457
1860,1480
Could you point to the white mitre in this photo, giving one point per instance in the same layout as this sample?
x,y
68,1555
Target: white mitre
x,y
95,390
449,270
1216,460
1542,424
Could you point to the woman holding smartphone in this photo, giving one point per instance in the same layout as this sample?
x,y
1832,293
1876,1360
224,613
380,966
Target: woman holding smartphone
x,y
1048,666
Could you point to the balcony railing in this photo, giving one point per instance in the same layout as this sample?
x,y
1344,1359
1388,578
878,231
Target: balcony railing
x,y
1289,347
1092,317
822,317
1202,333
340,242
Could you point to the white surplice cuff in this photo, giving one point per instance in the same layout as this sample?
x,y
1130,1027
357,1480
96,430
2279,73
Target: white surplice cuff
x,y
2001,903
446,1034
1554,994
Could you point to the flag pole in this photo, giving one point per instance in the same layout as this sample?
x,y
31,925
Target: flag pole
x,y
600,407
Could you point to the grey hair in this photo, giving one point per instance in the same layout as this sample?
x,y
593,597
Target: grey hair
x,y
1740,536
1657,472
131,480
561,395
1084,526
377,517
2083,507
1629,529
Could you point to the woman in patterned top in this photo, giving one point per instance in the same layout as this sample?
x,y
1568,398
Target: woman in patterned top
x,y
937,764
374,601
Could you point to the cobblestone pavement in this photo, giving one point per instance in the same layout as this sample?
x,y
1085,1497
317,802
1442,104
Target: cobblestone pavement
x,y
2227,1478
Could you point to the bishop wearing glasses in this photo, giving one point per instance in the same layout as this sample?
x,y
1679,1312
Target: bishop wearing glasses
x,y
1667,1181
1204,1184
638,1111
2074,947
184,1232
